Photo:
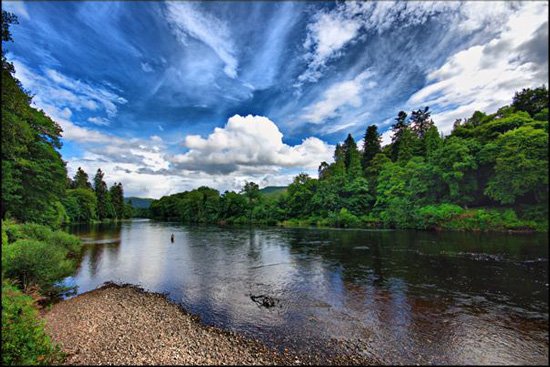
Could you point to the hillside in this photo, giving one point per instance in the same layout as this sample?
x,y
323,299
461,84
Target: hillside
x,y
273,190
141,203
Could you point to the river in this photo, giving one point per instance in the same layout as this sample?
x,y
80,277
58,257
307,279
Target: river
x,y
393,297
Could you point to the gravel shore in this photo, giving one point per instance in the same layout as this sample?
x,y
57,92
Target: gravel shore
x,y
116,325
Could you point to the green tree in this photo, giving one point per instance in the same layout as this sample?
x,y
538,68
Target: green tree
x,y
398,129
421,121
352,158
531,101
521,166
251,192
104,207
33,173
81,180
116,194
371,145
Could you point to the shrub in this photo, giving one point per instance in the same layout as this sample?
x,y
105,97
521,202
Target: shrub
x,y
24,341
432,216
33,262
33,231
69,242
4,235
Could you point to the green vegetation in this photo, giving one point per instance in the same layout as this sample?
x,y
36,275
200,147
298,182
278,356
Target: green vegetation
x,y
37,197
489,173
34,260
24,341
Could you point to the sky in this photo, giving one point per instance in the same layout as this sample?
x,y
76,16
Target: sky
x,y
169,96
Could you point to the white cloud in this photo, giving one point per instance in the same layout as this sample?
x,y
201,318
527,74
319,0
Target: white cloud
x,y
485,77
187,20
146,67
347,93
331,31
251,143
99,121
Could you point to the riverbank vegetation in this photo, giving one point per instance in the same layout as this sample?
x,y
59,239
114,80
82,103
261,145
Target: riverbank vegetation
x,y
37,198
489,173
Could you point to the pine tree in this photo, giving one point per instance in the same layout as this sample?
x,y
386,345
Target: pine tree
x,y
398,128
371,145
352,158
100,188
81,180
339,168
421,121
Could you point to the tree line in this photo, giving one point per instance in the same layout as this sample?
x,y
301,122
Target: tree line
x,y
490,172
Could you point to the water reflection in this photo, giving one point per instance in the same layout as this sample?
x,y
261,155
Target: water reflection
x,y
394,296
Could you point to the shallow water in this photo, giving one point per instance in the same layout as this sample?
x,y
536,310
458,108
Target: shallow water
x,y
389,296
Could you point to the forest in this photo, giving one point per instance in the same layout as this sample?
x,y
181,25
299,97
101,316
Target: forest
x,y
489,173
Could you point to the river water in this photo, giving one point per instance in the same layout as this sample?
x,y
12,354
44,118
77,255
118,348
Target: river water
x,y
392,297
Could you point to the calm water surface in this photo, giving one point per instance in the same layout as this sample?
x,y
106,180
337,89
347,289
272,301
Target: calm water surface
x,y
390,296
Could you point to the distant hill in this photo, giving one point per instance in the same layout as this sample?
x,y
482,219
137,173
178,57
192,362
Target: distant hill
x,y
141,203
273,190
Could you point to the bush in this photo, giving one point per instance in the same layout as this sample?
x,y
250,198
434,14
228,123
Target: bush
x,y
33,231
24,341
432,216
67,241
4,235
343,218
33,262
490,220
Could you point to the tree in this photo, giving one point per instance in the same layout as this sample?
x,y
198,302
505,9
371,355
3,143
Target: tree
x,y
323,171
407,145
352,158
103,202
398,128
371,145
251,192
531,101
521,166
432,141
421,121
81,180
117,199
33,173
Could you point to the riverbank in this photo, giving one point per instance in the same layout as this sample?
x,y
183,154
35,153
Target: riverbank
x,y
124,325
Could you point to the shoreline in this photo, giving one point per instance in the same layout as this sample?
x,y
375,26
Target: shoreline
x,y
125,324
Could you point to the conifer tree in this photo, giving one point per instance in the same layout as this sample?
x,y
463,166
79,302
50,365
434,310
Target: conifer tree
x,y
371,145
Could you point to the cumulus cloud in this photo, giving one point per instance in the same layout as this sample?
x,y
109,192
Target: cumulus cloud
x,y
485,77
346,93
249,143
187,20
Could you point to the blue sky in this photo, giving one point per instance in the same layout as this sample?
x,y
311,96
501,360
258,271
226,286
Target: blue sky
x,y
168,96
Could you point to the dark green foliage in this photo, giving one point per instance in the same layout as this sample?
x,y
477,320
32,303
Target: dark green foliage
x,y
116,194
104,206
81,180
532,101
421,121
24,340
33,173
371,146
36,263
